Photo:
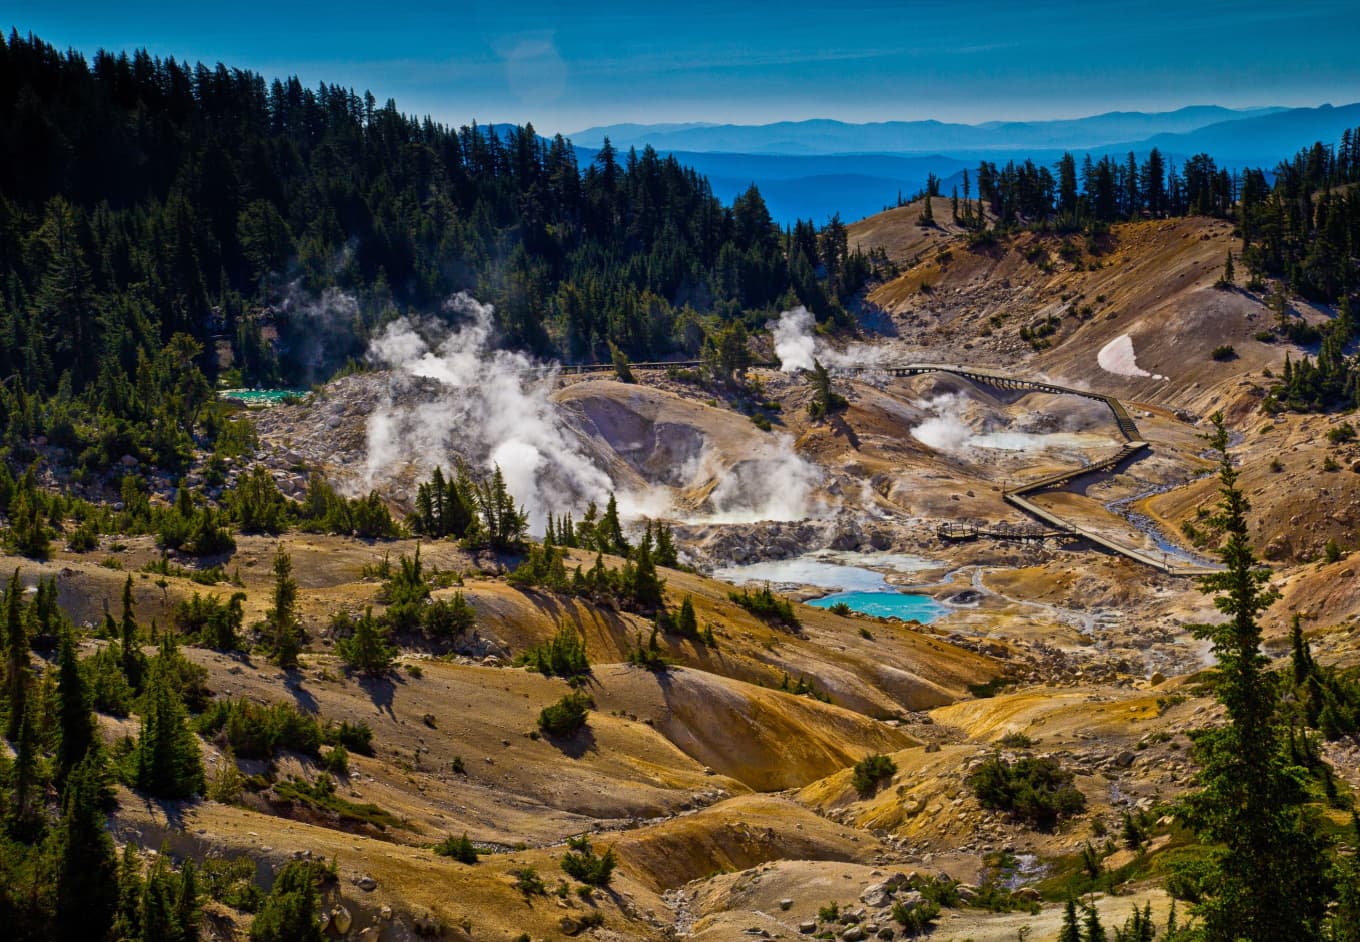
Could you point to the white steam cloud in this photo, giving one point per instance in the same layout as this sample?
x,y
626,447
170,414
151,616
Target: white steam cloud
x,y
793,341
797,346
455,394
948,428
491,408
773,483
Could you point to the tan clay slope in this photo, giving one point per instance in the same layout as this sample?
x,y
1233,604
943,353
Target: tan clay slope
x,y
764,738
1152,281
928,799
898,231
899,670
1297,508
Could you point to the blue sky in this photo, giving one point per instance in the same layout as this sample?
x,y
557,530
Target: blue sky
x,y
569,66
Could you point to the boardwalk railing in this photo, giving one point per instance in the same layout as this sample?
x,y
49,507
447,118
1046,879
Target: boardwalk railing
x,y
1134,444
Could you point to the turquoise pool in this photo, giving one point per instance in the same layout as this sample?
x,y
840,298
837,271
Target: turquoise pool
x,y
907,606
262,397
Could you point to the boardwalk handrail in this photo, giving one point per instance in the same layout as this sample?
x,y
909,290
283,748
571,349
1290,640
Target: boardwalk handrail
x,y
1134,443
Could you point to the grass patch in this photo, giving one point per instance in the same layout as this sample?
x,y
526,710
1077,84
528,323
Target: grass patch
x,y
320,795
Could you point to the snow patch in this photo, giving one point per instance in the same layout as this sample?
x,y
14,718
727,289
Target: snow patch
x,y
1118,357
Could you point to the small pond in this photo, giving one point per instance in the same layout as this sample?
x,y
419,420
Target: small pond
x,y
262,397
908,606
859,587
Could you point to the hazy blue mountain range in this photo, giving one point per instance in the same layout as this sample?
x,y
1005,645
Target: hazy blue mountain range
x,y
812,169
825,136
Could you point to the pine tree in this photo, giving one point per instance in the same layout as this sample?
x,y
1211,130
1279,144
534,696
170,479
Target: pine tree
x,y
1071,929
24,775
1268,881
609,531
1345,918
1301,656
87,869
76,724
285,631
127,922
825,400
367,650
16,656
665,553
686,623
166,760
130,649
289,912
1095,932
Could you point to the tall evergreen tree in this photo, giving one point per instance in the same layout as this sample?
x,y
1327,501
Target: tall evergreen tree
x,y
1267,881
166,761
76,727
16,656
285,631
130,646
87,869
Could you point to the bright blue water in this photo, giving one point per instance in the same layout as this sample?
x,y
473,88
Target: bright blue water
x,y
904,605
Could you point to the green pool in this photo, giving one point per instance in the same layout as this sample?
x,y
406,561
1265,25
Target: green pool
x,y
262,397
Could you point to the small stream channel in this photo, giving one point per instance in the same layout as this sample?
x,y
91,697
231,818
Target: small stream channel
x,y
1123,508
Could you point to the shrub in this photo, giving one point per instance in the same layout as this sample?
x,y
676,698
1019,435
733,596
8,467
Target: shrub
x,y
1343,433
449,618
528,882
211,622
289,913
563,655
83,539
765,604
872,771
1224,352
459,848
356,737
565,716
336,761
1017,741
915,919
582,863
231,882
320,795
841,608
255,731
365,648
1037,790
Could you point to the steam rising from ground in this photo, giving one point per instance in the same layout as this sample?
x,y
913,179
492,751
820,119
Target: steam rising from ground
x,y
797,346
951,429
774,483
491,407
948,428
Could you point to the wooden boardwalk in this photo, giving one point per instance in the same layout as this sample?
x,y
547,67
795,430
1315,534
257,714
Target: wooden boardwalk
x,y
1134,444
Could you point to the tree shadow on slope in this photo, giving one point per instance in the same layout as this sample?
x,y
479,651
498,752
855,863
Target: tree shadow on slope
x,y
381,691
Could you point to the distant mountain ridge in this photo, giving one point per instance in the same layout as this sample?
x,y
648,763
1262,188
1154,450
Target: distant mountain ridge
x,y
812,169
823,136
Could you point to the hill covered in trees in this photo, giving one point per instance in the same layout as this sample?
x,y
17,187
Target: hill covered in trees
x,y
144,200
